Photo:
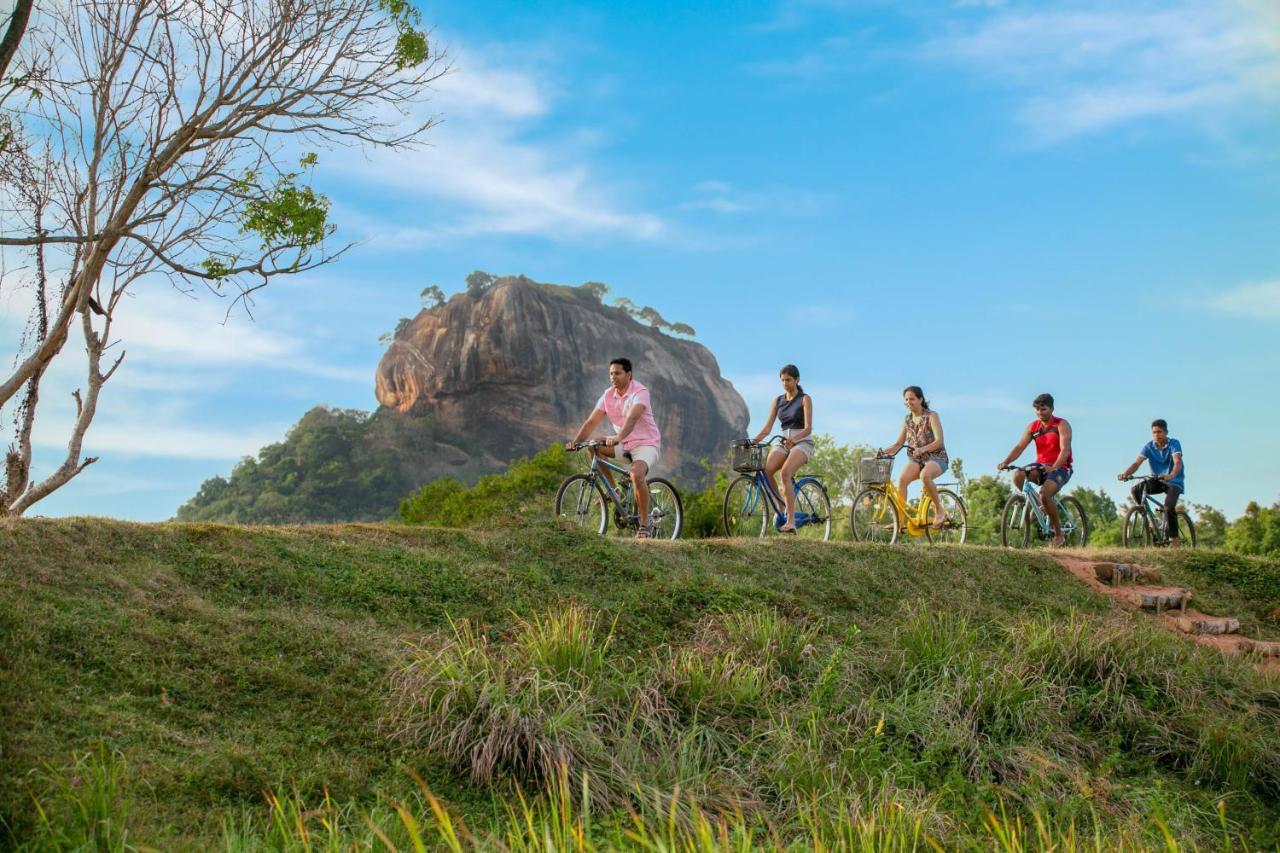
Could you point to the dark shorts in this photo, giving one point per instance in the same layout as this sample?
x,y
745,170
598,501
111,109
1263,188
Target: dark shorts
x,y
1060,476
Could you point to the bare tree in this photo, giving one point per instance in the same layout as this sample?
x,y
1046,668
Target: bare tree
x,y
170,138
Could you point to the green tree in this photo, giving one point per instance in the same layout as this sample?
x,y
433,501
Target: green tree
x,y
1211,526
432,297
684,329
479,282
1103,515
527,487
986,496
1247,533
386,338
597,289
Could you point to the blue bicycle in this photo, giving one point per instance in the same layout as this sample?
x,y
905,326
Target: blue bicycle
x,y
1024,523
752,500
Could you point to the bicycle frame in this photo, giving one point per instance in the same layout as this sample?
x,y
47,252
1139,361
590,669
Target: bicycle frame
x,y
764,486
1032,493
915,525
616,496
1155,509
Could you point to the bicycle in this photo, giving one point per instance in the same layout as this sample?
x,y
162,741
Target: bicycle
x,y
1144,523
584,499
1016,528
879,509
752,498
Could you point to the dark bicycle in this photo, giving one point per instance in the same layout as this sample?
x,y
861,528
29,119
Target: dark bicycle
x,y
1144,523
585,500
1024,523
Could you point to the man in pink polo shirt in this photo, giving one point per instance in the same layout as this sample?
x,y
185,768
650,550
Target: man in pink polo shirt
x,y
626,403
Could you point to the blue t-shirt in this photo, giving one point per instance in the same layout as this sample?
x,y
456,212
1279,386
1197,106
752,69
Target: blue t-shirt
x,y
1161,461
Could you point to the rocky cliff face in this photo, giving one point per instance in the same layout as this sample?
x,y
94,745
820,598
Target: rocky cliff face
x,y
521,366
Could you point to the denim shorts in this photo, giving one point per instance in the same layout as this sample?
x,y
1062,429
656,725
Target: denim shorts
x,y
940,458
1060,476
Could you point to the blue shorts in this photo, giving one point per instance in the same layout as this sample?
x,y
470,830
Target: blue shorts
x,y
1060,476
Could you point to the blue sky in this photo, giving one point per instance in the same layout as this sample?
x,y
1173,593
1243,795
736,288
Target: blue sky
x,y
989,199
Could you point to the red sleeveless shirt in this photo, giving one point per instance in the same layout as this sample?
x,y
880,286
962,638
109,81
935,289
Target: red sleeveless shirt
x,y
1048,442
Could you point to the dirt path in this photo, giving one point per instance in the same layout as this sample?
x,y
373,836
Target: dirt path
x,y
1138,588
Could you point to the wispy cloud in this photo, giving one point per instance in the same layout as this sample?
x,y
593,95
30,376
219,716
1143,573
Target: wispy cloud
x,y
484,173
1086,67
1258,300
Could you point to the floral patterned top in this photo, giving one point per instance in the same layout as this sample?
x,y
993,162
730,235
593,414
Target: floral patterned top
x,y
920,434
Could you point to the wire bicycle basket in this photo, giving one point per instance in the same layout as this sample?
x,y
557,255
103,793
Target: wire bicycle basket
x,y
873,470
748,457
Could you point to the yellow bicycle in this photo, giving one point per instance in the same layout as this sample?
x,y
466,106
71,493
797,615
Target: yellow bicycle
x,y
880,513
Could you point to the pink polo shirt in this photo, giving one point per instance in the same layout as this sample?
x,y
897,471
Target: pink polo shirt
x,y
617,406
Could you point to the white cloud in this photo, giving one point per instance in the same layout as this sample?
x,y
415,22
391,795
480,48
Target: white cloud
x,y
1260,300
1087,66
494,178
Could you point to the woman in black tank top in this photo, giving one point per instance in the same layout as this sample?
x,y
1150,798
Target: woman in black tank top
x,y
794,410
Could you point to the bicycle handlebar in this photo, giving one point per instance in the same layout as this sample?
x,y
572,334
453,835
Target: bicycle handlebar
x,y
1033,466
579,445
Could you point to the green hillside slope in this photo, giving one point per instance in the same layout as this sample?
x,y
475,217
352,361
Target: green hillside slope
x,y
789,683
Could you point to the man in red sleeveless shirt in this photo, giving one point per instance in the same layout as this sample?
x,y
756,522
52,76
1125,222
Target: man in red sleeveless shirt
x,y
1052,436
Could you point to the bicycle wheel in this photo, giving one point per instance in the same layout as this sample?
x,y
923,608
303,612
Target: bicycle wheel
x,y
956,526
1075,524
580,503
813,511
1186,529
666,515
1135,532
1016,522
872,518
745,508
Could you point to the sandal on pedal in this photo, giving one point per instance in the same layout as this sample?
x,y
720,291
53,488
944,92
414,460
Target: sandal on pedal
x,y
787,528
644,532
939,524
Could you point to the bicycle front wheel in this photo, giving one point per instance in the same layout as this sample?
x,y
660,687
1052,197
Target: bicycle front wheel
x,y
580,503
813,511
745,508
1136,530
956,527
1075,524
666,515
872,518
1015,522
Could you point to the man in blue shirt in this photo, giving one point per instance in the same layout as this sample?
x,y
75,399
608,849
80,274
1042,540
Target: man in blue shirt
x,y
1164,455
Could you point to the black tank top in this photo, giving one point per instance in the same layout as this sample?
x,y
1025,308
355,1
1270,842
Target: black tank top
x,y
791,412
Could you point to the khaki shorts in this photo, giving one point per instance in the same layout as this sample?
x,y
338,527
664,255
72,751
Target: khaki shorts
x,y
646,453
804,445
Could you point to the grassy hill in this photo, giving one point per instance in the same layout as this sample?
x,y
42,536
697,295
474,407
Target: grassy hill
x,y
158,682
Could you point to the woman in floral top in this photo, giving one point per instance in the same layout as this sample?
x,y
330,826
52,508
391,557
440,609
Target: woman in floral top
x,y
926,454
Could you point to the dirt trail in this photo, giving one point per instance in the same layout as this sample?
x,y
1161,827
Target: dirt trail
x,y
1138,588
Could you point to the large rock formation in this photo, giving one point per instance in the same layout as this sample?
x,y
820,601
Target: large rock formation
x,y
522,365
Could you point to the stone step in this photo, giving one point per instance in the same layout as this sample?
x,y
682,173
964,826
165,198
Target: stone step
x,y
1159,598
1117,573
1208,624
1263,648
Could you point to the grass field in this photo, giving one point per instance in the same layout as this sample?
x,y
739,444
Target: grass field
x,y
183,686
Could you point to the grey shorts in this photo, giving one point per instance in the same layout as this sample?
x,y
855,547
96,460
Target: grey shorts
x,y
805,445
646,453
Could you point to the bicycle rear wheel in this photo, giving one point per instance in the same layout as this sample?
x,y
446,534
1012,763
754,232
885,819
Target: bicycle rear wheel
x,y
813,511
872,517
1187,529
1016,520
1075,524
580,503
745,508
1135,532
666,515
956,526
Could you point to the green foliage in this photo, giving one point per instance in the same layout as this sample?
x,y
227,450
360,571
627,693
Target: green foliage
x,y
334,465
387,338
597,289
478,283
527,487
217,268
1211,526
84,806
1103,514
986,496
411,43
704,510
1257,531
432,297
837,465
287,215
652,316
